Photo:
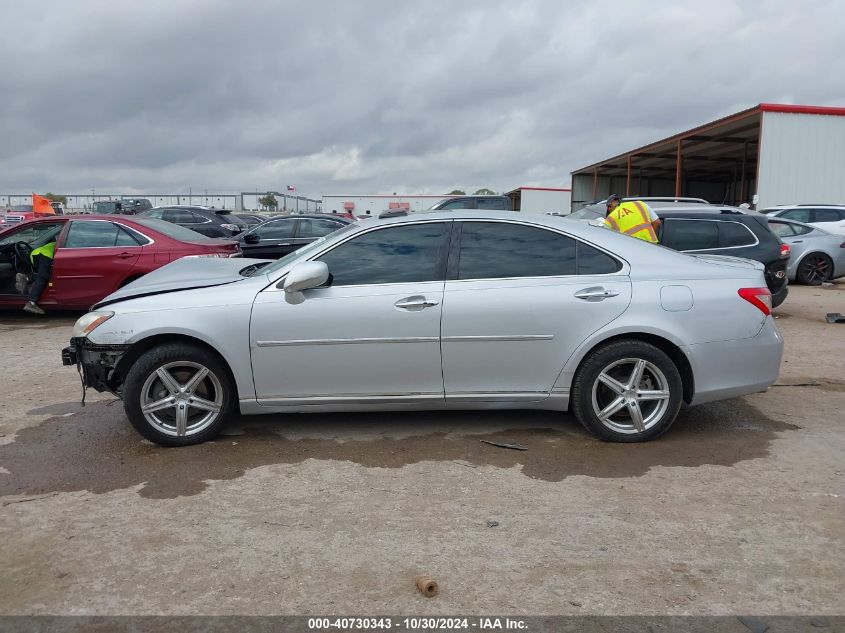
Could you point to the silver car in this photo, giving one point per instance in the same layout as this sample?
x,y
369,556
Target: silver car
x,y
442,310
816,255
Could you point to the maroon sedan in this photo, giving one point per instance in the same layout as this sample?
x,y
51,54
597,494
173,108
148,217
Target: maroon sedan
x,y
97,254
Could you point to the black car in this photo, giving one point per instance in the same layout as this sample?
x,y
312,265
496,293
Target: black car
x,y
729,233
251,219
208,221
277,237
126,206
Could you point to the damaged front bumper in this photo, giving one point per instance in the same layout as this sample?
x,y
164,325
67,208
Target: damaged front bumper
x,y
97,364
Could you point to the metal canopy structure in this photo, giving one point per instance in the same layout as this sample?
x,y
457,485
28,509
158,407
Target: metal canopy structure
x,y
718,161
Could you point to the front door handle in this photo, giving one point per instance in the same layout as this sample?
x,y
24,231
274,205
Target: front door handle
x,y
417,302
125,255
797,241
595,293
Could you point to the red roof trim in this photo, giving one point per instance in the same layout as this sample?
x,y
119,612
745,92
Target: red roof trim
x,y
541,189
801,109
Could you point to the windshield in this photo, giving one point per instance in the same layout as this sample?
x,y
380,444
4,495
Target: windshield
x,y
305,250
172,230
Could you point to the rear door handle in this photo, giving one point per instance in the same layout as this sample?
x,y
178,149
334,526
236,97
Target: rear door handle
x,y
416,302
595,293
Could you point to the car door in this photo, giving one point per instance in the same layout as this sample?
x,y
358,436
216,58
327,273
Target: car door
x,y
371,336
519,299
29,233
92,258
276,239
831,220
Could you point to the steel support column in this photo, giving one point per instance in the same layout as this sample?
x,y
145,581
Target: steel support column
x,y
678,172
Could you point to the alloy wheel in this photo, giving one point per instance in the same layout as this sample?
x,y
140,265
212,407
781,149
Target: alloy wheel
x,y
630,395
816,268
182,398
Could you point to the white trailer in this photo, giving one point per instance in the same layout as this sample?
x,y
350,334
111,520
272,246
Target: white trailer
x,y
544,200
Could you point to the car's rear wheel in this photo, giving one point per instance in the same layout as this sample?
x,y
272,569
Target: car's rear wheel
x,y
815,269
178,394
627,391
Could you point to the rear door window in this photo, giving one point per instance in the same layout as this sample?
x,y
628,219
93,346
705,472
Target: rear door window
x,y
734,234
826,215
88,234
799,215
591,261
494,250
690,235
316,227
276,230
490,203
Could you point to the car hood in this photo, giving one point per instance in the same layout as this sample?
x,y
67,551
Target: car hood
x,y
733,262
186,273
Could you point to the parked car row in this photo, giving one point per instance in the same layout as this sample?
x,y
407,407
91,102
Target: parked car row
x,y
96,255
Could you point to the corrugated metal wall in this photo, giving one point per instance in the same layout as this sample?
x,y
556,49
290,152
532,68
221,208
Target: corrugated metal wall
x,y
802,159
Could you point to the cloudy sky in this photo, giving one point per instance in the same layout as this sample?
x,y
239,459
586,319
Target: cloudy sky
x,y
376,96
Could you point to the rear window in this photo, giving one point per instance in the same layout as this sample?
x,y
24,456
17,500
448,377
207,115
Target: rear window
x,y
782,229
734,234
172,230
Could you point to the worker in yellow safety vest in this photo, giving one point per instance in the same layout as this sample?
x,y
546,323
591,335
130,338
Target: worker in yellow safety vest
x,y
634,218
41,261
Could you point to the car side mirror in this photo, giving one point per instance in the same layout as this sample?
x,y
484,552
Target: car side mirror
x,y
252,238
306,275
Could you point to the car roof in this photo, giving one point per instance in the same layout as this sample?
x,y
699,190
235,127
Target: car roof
x,y
807,204
713,215
712,209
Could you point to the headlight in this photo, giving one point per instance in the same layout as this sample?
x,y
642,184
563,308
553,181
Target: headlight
x,y
88,323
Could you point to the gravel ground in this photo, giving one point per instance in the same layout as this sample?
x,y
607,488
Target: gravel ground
x,y
740,508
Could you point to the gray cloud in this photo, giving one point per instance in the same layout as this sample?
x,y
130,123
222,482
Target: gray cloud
x,y
379,96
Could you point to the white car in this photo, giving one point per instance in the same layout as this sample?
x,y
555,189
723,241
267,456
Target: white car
x,y
830,217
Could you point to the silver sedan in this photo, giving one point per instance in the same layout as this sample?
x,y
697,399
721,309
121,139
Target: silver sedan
x,y
444,310
815,255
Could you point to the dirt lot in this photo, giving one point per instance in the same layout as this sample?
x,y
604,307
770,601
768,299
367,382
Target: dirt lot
x,y
740,508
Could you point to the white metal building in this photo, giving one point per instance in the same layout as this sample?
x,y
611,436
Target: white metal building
x,y
541,200
371,204
767,155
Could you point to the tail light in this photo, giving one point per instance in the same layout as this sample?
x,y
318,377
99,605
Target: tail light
x,y
760,298
784,251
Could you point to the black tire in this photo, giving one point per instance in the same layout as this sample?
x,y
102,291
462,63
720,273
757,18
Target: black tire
x,y
814,269
184,361
659,374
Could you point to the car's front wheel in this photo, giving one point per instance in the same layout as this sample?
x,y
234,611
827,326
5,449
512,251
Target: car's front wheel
x,y
627,391
178,394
